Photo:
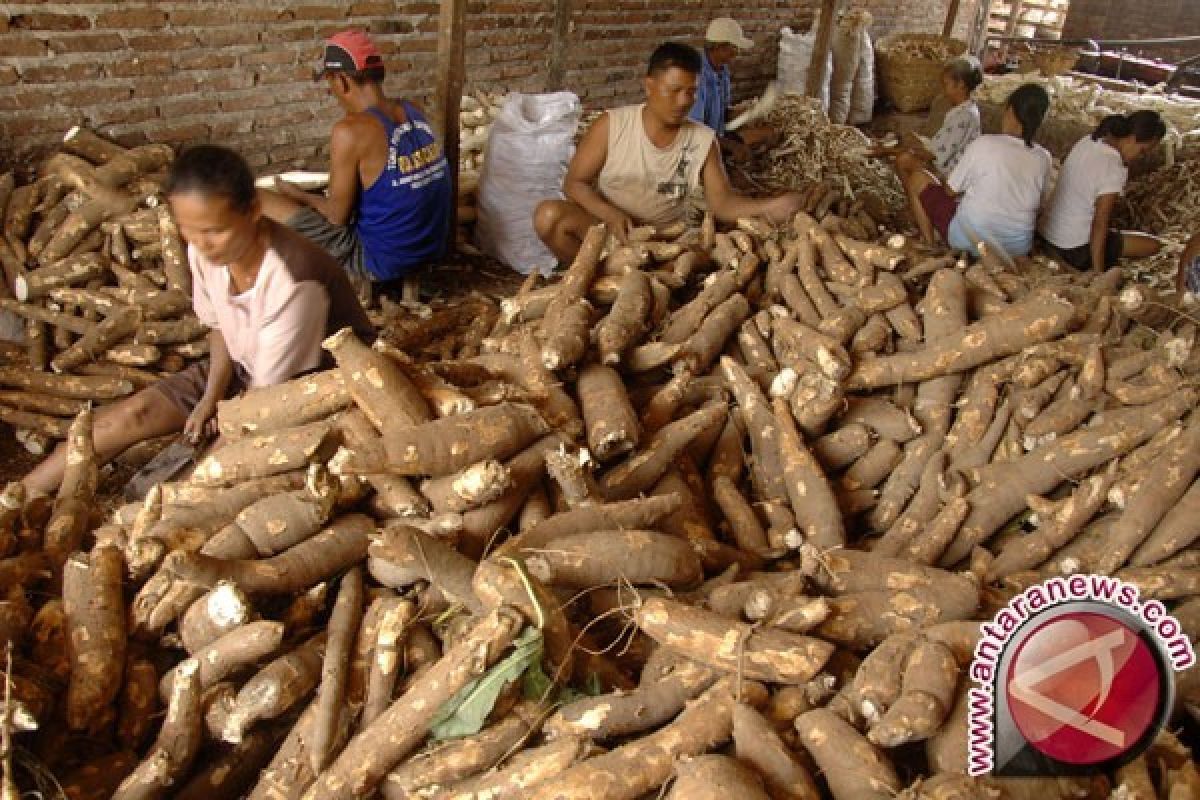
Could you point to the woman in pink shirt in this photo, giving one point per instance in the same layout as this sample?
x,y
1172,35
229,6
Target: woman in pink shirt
x,y
268,295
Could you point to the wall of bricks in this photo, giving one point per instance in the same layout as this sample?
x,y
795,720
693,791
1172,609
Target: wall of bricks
x,y
238,71
1147,19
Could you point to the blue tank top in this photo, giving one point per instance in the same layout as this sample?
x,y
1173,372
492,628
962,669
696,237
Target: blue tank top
x,y
403,217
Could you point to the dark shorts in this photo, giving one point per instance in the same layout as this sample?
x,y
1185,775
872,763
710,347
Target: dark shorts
x,y
340,241
1081,257
185,388
940,206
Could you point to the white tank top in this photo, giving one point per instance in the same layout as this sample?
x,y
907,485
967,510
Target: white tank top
x,y
648,182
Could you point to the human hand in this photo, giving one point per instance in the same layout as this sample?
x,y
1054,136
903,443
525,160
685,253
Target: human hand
x,y
202,422
782,208
287,189
912,143
619,224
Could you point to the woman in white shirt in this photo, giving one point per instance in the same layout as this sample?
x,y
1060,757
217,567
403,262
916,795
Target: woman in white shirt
x,y
1076,225
993,194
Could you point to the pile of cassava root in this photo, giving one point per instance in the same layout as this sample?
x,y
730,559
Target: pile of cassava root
x,y
101,281
475,124
715,514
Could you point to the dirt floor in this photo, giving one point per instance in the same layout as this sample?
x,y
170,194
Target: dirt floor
x,y
463,275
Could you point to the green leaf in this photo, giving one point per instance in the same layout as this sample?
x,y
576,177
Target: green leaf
x,y
465,713
537,686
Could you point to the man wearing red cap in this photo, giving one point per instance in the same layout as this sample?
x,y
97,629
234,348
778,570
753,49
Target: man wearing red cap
x,y
387,209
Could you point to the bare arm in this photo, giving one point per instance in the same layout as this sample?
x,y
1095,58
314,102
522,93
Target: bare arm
x,y
582,173
220,373
338,203
909,143
1099,237
914,145
728,206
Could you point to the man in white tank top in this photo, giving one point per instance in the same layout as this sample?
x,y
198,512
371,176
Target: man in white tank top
x,y
637,165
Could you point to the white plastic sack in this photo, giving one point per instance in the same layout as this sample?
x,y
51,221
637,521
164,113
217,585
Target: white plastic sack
x,y
530,145
848,58
862,98
795,56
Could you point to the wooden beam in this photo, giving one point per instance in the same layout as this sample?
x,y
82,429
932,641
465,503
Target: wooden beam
x,y
451,67
951,18
556,70
821,48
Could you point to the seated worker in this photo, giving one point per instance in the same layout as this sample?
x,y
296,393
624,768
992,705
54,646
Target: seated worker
x,y
994,192
637,165
722,42
1076,223
1188,277
387,210
269,295
941,153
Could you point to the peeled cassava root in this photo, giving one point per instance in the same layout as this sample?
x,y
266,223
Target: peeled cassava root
x,y
87,294
753,490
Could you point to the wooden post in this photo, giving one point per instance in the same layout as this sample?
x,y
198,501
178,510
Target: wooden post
x,y
951,18
556,70
977,35
451,66
821,47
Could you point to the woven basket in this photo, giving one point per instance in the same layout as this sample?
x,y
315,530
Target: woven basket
x,y
910,67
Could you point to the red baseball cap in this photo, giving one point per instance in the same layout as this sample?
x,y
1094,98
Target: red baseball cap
x,y
349,51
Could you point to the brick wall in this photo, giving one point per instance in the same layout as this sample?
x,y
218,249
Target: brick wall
x,y
1146,19
919,16
238,71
